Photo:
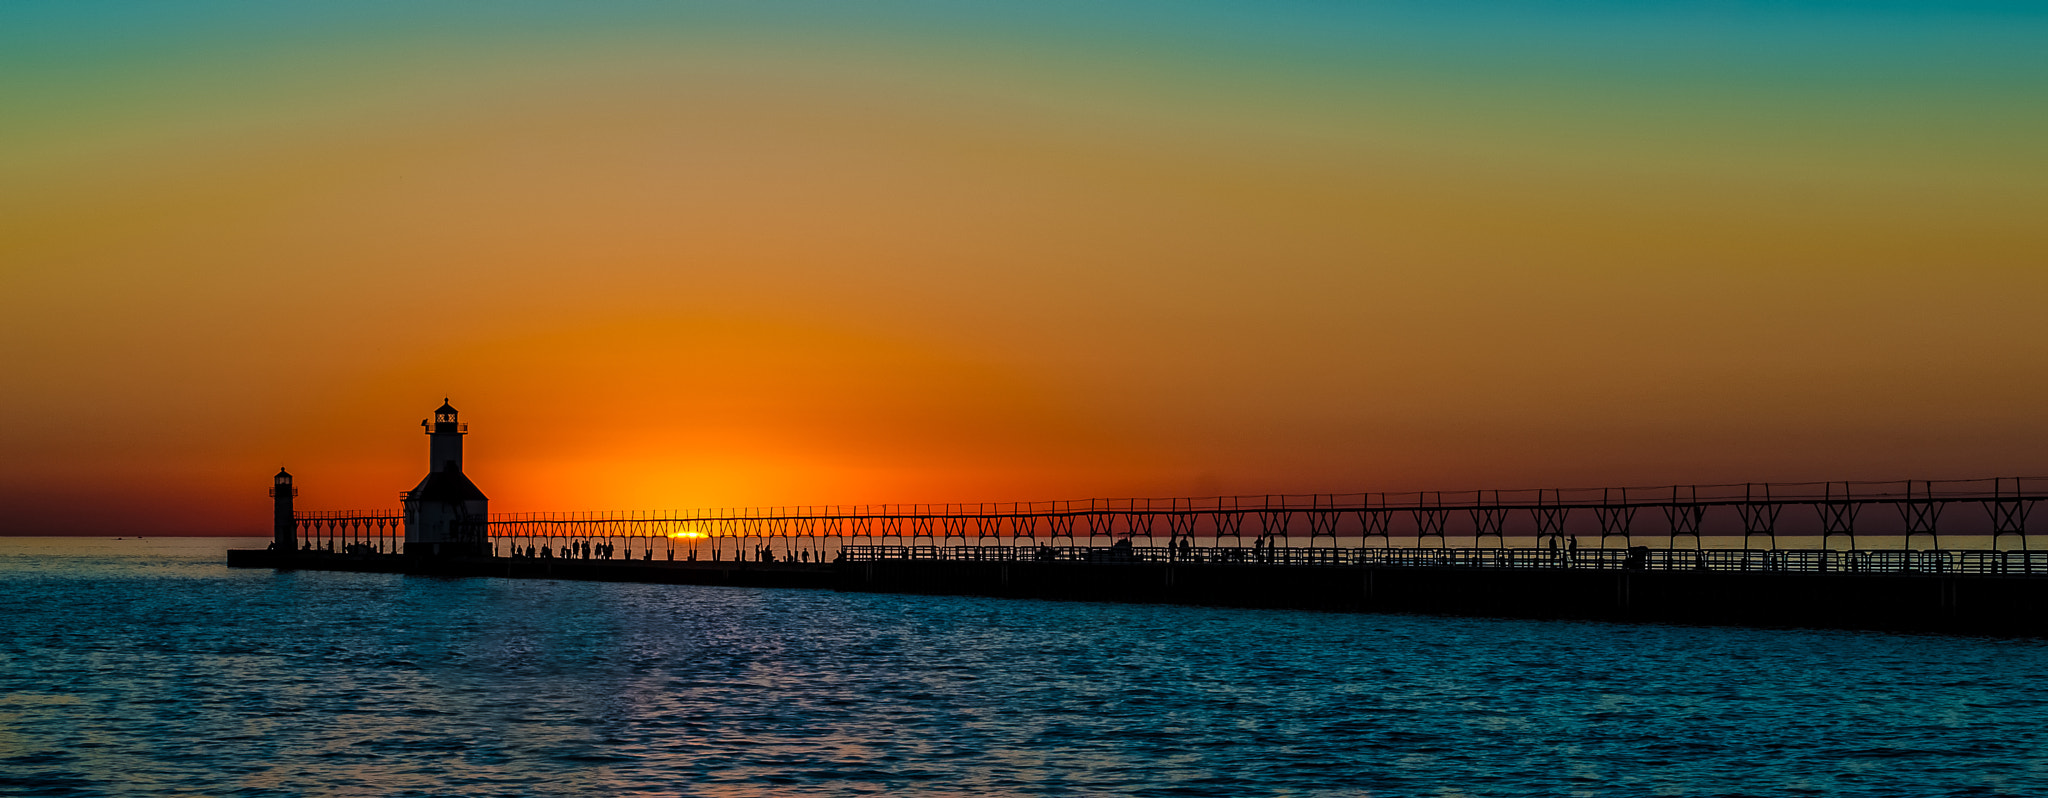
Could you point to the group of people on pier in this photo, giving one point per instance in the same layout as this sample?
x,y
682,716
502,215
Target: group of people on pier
x,y
578,550
766,553
590,550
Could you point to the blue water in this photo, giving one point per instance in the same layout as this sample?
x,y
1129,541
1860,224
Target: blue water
x,y
147,668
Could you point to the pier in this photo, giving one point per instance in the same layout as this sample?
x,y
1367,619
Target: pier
x,y
1976,592
1367,552
1562,553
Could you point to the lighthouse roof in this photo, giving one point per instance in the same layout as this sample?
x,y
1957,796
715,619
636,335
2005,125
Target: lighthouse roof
x,y
445,407
447,486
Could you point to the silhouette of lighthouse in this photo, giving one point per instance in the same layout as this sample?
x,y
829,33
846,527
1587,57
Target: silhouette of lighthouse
x,y
284,527
445,515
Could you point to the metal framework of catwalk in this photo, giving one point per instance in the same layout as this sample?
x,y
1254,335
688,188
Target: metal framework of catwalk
x,y
1833,512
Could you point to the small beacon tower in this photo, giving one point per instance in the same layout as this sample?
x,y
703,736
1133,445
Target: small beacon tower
x,y
284,530
446,513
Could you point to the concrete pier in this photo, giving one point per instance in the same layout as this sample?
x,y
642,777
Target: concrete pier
x,y
1962,603
737,574
1973,604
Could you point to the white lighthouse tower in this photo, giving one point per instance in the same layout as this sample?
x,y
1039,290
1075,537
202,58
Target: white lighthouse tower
x,y
446,514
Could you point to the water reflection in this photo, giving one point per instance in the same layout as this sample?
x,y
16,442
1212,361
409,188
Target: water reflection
x,y
153,669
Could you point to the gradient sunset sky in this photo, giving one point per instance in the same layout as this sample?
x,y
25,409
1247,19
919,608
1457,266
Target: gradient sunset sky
x,y
674,254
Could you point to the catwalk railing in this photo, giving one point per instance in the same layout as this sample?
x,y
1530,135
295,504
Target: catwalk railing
x,y
1639,559
1919,511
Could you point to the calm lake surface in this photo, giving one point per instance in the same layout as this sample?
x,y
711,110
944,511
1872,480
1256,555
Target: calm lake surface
x,y
148,668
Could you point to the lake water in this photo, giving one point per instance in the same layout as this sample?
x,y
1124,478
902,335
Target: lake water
x,y
148,668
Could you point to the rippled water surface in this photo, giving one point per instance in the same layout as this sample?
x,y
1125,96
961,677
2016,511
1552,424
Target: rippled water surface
x,y
146,667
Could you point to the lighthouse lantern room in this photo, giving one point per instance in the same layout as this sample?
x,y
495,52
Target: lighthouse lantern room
x,y
446,514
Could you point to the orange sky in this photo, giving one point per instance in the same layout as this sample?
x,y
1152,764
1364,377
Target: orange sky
x,y
664,269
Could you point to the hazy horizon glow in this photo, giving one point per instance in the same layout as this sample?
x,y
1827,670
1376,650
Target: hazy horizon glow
x,y
671,255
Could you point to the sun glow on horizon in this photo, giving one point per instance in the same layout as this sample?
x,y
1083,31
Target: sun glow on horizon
x,y
782,253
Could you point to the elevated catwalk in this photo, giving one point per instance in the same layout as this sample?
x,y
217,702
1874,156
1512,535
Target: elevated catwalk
x,y
1837,515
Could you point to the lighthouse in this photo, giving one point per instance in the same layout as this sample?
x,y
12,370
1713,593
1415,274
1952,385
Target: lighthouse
x,y
446,513
284,527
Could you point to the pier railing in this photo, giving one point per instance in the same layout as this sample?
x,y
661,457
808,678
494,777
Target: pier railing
x,y
1642,559
1718,495
1835,514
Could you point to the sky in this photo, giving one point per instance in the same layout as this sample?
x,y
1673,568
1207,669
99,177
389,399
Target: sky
x,y
668,255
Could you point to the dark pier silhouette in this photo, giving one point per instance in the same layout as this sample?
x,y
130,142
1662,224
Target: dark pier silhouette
x,y
1947,591
1319,551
